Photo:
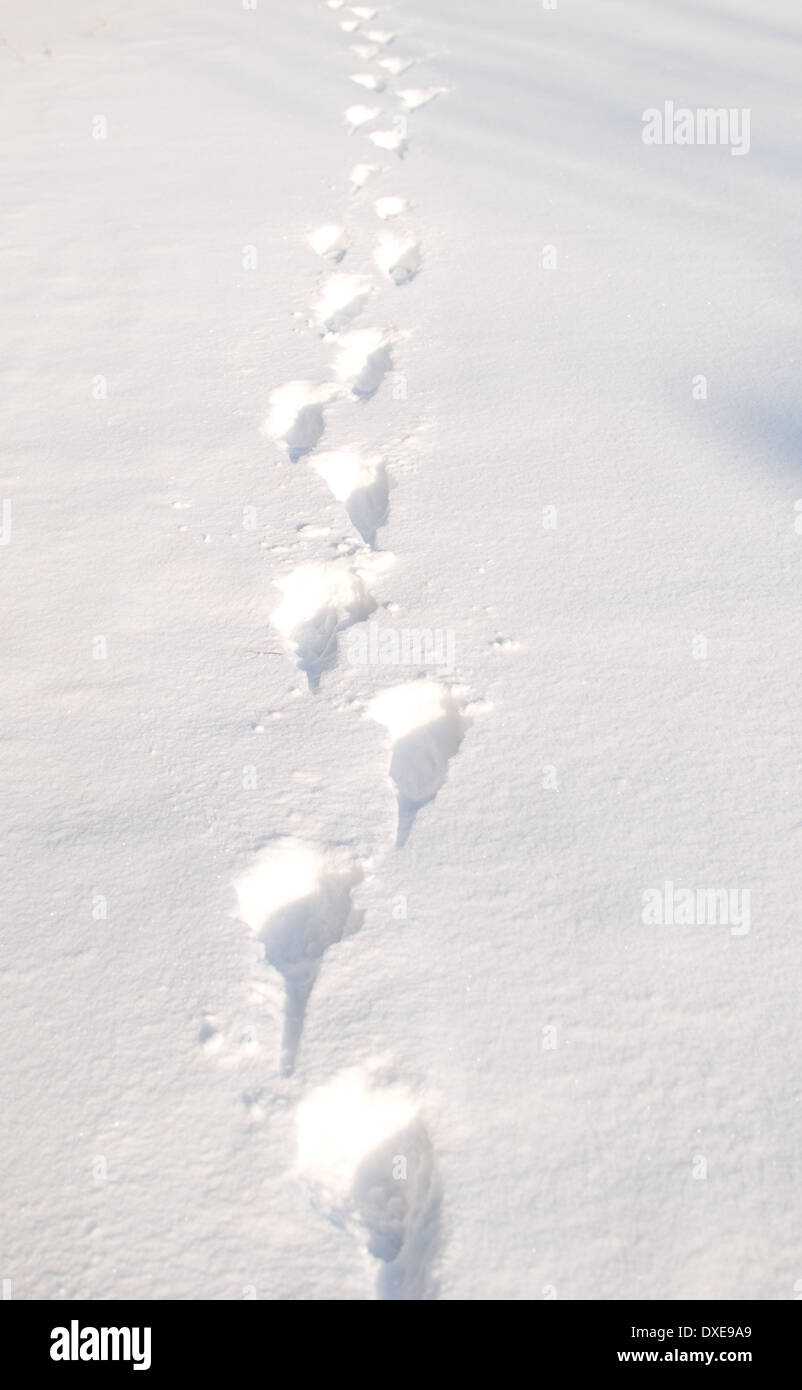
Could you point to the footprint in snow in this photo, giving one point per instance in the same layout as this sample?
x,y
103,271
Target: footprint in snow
x,y
366,356
330,243
390,207
296,898
394,140
366,1155
362,484
396,66
342,298
362,174
356,116
365,51
369,81
415,97
296,420
400,259
426,728
318,603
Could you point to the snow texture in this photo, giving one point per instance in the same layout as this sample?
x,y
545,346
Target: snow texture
x,y
401,541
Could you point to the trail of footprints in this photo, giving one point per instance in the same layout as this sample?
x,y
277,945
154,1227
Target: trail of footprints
x,y
363,1148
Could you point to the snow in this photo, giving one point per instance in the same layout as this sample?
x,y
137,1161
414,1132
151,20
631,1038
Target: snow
x,y
339,1123
327,977
329,242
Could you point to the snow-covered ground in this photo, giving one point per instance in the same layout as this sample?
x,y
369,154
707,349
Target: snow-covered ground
x,y
401,575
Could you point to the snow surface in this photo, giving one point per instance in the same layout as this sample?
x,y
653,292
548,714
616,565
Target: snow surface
x,y
324,970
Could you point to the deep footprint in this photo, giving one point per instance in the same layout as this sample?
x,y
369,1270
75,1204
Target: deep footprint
x,y
296,421
362,174
365,359
357,116
318,603
390,207
396,66
362,484
329,242
413,98
400,260
296,898
369,81
365,1150
342,299
394,140
426,729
